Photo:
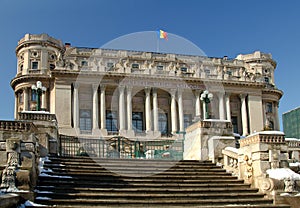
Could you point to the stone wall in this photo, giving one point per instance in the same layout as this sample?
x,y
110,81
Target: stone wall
x,y
205,139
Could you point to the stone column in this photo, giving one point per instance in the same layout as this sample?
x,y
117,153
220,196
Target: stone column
x,y
276,122
76,106
129,108
148,109
180,111
44,101
16,106
173,111
221,106
244,114
26,99
95,107
155,110
103,110
121,108
44,61
197,104
228,111
26,64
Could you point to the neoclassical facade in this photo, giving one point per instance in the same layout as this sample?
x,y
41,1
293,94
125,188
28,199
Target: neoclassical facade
x,y
101,92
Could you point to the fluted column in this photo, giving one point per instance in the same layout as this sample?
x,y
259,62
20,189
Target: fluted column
x,y
102,108
76,106
173,111
155,110
129,108
121,108
221,106
148,109
16,106
44,101
228,111
244,114
26,99
95,106
276,123
180,111
197,104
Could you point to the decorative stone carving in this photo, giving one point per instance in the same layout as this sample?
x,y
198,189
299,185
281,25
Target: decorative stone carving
x,y
248,167
289,185
9,173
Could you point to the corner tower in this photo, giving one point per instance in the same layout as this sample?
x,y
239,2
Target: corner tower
x,y
36,55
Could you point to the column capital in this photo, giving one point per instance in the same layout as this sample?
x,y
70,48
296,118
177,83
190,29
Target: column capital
x,y
197,92
95,86
76,85
154,90
228,94
102,88
147,90
220,94
242,96
179,91
173,92
121,88
129,88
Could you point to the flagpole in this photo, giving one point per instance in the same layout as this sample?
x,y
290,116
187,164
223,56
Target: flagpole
x,y
157,42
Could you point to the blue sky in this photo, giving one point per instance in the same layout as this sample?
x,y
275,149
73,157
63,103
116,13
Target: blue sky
x,y
217,27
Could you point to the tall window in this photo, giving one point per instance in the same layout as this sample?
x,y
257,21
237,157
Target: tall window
x,y
267,80
234,122
33,95
111,121
163,123
85,120
269,107
34,65
137,121
20,96
84,63
187,120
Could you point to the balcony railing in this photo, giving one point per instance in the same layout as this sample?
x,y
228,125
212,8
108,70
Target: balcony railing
x,y
37,116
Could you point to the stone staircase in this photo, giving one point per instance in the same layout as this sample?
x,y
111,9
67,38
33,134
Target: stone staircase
x,y
87,182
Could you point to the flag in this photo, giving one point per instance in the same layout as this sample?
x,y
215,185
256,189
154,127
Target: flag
x,y
163,34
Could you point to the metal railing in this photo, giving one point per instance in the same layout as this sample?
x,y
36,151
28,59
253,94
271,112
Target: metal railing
x,y
121,147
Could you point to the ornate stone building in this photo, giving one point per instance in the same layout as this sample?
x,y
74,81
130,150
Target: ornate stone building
x,y
102,92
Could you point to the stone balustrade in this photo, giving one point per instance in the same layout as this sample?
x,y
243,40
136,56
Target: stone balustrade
x,y
37,116
16,126
263,137
230,163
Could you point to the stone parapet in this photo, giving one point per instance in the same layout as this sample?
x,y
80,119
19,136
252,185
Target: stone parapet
x,y
37,116
263,137
205,139
16,126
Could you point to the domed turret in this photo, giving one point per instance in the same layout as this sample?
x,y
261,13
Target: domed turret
x,y
38,54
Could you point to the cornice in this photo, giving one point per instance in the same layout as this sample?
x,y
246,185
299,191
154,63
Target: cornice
x,y
28,78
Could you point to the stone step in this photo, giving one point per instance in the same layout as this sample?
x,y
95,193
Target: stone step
x,y
171,206
97,167
136,173
141,195
152,202
134,162
205,188
90,182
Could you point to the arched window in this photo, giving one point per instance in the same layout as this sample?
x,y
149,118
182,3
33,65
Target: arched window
x,y
163,123
137,121
111,121
85,120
